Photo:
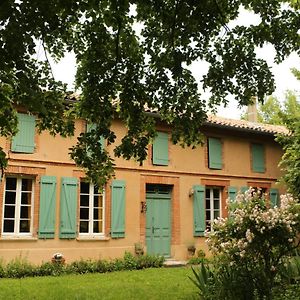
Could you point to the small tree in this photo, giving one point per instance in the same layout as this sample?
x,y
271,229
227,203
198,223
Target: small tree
x,y
255,241
290,161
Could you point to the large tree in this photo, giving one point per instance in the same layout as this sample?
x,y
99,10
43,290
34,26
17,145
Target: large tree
x,y
287,114
290,161
121,72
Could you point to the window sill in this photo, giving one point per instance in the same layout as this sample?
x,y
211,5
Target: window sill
x,y
92,238
18,238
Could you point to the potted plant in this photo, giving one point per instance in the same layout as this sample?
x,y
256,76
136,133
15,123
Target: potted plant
x,y
58,258
191,250
138,249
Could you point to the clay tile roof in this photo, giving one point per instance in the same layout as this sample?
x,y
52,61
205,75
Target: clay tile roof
x,y
213,120
246,125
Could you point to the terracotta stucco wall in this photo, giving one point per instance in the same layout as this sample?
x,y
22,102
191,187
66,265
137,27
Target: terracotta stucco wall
x,y
187,167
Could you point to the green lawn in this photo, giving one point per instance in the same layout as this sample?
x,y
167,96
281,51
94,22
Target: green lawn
x,y
163,283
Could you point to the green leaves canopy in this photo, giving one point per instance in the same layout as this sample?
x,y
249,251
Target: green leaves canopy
x,y
149,69
287,114
290,161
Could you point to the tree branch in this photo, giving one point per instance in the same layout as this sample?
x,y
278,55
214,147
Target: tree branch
x,y
222,17
47,59
117,40
172,33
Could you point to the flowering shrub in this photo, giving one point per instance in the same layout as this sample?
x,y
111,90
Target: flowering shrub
x,y
256,240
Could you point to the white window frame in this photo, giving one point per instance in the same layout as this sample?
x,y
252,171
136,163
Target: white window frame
x,y
17,217
208,223
91,195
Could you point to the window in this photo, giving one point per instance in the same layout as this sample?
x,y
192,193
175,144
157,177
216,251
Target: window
x,y
214,146
265,191
89,128
91,209
17,206
23,141
258,158
160,149
261,192
212,205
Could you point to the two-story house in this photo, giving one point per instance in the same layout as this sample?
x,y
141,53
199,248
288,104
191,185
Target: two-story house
x,y
48,206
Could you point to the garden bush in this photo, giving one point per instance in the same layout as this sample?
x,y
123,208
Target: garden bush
x,y
81,267
198,259
149,261
50,269
20,267
251,247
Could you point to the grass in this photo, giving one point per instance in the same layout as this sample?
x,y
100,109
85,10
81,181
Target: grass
x,y
163,283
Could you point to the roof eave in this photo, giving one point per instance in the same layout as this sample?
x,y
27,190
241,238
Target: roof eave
x,y
240,129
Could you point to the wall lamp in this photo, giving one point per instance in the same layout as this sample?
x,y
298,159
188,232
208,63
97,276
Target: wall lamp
x,y
143,206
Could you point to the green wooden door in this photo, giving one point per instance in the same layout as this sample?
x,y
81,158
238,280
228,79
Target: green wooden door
x,y
158,223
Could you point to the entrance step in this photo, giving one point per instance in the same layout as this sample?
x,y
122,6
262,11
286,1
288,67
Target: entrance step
x,y
171,263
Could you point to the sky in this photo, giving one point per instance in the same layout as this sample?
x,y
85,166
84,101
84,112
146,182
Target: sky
x,y
284,80
65,70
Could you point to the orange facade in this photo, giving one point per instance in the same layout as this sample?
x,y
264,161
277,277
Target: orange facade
x,y
233,157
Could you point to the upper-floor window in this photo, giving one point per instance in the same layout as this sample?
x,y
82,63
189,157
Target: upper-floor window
x,y
17,206
258,158
91,215
271,194
212,205
214,146
89,128
23,141
160,149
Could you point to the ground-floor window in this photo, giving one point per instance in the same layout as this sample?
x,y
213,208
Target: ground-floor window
x,y
17,206
212,205
259,191
91,209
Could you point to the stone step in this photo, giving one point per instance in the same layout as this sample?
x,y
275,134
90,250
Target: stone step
x,y
171,263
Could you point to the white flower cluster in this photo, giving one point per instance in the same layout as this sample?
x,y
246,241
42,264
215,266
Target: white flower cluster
x,y
249,236
252,225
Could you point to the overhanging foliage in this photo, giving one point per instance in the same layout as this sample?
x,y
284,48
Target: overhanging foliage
x,y
150,69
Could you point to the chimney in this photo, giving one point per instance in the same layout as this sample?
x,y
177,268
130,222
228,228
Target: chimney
x,y
252,110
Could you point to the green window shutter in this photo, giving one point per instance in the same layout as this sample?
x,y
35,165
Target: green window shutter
x,y
68,205
90,127
161,149
244,189
214,153
23,141
199,210
258,158
274,197
232,193
47,207
118,209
